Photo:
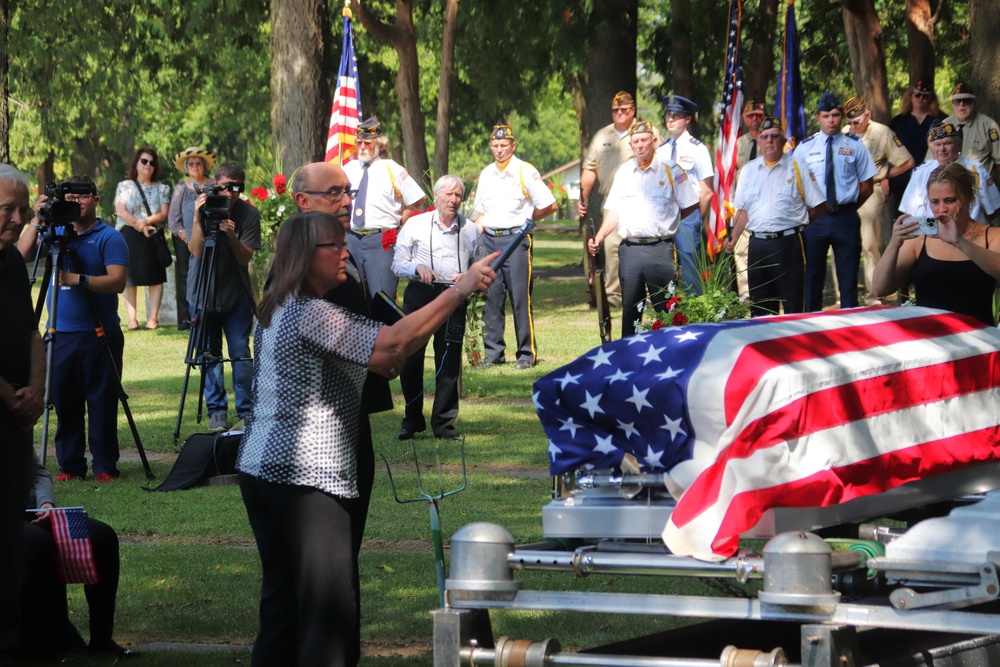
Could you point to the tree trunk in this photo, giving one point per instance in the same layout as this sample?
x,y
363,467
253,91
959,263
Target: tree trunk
x,y
759,66
299,123
442,133
867,47
680,51
402,36
613,27
920,37
984,17
4,92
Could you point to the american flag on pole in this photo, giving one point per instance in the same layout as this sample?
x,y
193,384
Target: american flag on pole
x,y
76,554
342,138
795,411
789,102
729,131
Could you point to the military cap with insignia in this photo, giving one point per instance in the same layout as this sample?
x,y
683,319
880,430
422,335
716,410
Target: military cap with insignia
x,y
753,105
501,131
941,130
855,106
964,89
678,104
771,122
640,126
623,99
828,102
369,129
923,87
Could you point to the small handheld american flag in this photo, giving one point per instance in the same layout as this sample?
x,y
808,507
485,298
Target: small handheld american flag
x,y
76,553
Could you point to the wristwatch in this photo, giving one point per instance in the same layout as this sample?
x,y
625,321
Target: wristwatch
x,y
83,280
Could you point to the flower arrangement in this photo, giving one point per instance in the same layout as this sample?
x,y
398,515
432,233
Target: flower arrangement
x,y
559,191
474,324
717,302
274,203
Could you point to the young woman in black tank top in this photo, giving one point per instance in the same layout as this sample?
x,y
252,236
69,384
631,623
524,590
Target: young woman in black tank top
x,y
955,270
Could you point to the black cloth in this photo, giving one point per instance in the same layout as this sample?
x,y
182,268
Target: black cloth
x,y
776,274
15,474
43,595
182,259
309,608
961,287
447,360
640,268
513,279
226,287
144,264
840,230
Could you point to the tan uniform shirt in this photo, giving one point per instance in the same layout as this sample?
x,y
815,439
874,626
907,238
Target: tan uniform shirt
x,y
609,149
885,147
980,139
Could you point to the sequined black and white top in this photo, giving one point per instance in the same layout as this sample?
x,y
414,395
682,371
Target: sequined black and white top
x,y
309,368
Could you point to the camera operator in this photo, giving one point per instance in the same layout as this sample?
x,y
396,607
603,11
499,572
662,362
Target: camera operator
x,y
227,303
81,378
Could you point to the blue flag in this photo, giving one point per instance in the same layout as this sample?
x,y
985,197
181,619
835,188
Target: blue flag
x,y
789,105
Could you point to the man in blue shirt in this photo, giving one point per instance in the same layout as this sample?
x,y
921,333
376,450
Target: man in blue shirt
x,y
844,170
92,272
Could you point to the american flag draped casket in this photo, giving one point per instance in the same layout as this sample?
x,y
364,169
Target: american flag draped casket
x,y
796,411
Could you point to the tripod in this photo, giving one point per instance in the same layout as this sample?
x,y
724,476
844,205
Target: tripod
x,y
58,245
204,322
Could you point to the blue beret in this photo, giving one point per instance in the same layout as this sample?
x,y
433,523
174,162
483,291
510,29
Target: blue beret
x,y
828,102
678,104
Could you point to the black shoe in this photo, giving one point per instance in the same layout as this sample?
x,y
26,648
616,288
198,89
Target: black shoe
x,y
110,648
452,436
404,434
489,364
184,325
523,364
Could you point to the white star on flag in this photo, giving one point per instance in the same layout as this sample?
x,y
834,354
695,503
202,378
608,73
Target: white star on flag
x,y
674,426
592,404
637,338
638,398
669,373
604,445
570,425
629,429
619,375
652,458
652,354
554,450
601,356
569,379
688,335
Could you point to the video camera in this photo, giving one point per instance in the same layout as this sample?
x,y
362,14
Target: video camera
x,y
57,211
216,207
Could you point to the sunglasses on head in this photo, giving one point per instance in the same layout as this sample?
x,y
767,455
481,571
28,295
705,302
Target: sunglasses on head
x,y
143,160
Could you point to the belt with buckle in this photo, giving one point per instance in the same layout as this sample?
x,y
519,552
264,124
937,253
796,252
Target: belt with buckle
x,y
501,232
777,235
647,240
848,207
361,233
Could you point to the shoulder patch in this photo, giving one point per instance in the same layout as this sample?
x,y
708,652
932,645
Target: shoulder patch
x,y
807,140
403,175
994,137
695,142
854,136
681,177
665,142
896,140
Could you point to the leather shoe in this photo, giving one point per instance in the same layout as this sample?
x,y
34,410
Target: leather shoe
x,y
523,364
452,436
404,434
184,325
111,648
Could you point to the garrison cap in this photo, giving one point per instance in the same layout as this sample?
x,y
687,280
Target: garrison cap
x,y
369,129
677,104
828,102
640,126
855,106
923,87
753,105
944,131
964,89
623,99
502,132
771,122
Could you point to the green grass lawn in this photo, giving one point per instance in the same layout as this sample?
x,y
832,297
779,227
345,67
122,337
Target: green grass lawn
x,y
190,572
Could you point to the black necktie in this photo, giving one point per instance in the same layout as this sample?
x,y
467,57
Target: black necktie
x,y
831,181
358,220
753,149
673,151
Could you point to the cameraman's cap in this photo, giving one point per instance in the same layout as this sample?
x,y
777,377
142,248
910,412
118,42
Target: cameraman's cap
x,y
770,122
944,131
369,129
623,99
828,102
194,151
855,106
678,104
753,105
963,89
502,132
640,126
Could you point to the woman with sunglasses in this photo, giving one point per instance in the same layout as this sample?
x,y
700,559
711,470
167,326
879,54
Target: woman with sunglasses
x,y
141,204
920,110
298,459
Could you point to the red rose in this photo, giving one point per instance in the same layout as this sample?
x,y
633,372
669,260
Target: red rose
x,y
679,319
279,183
657,324
389,239
260,193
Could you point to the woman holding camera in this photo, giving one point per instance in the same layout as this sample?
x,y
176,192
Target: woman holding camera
x,y
298,459
141,204
195,162
956,269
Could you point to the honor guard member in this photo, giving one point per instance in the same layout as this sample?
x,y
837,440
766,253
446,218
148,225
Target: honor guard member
x,y
431,251
980,133
649,198
693,157
510,191
775,200
385,198
609,149
841,165
891,159
746,150
946,146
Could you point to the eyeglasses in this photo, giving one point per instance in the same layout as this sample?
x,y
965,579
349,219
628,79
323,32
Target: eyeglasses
x,y
333,194
920,95
960,101
144,161
78,197
621,109
770,137
338,246
856,121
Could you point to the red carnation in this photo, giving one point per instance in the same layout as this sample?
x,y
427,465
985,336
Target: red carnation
x,y
679,319
279,183
260,193
389,239
673,302
706,275
657,324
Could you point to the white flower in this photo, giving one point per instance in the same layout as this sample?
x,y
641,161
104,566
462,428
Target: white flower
x,y
672,288
281,209
720,315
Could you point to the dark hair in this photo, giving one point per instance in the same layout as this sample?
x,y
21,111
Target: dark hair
x,y
232,171
293,256
133,172
83,178
959,178
934,108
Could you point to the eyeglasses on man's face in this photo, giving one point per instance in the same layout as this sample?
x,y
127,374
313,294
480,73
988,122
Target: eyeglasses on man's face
x,y
333,194
78,198
961,101
621,109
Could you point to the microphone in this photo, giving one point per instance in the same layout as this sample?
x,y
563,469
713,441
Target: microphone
x,y
509,250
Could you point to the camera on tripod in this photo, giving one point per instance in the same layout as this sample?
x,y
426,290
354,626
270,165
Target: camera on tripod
x,y
59,212
216,207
